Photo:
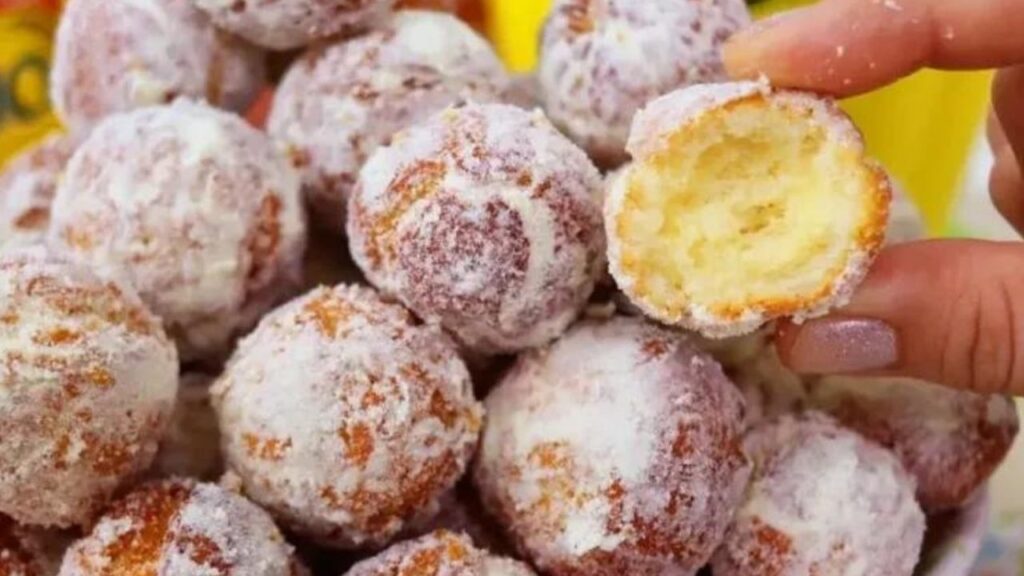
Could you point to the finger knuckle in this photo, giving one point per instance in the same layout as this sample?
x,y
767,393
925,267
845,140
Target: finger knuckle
x,y
982,350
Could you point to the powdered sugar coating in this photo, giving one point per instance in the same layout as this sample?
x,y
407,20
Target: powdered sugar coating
x,y
336,105
195,209
949,440
823,500
666,116
87,383
484,219
182,528
615,451
440,553
345,417
27,186
287,24
191,446
602,60
118,55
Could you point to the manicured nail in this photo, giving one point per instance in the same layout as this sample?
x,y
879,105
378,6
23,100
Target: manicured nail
x,y
841,346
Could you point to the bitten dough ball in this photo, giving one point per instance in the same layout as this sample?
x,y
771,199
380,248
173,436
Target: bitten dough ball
x,y
823,500
743,204
949,440
88,380
27,186
182,528
602,60
615,451
345,417
118,55
287,24
195,209
28,552
191,446
484,219
338,104
443,553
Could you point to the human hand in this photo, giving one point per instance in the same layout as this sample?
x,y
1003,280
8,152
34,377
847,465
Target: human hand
x,y
947,311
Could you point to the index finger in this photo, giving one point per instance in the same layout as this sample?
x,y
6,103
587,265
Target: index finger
x,y
846,47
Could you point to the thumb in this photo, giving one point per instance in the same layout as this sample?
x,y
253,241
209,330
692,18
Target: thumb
x,y
945,311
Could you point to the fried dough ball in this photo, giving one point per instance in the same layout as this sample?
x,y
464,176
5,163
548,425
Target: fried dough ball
x,y
743,204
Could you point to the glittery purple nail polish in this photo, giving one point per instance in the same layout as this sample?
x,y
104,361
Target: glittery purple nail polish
x,y
843,345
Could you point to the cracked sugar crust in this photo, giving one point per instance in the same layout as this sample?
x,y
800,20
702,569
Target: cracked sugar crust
x,y
346,417
288,24
88,380
440,553
823,500
603,60
192,207
484,219
28,184
118,55
615,451
182,528
950,441
337,104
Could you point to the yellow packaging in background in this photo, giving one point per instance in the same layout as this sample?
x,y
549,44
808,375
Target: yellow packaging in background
x,y
26,42
921,128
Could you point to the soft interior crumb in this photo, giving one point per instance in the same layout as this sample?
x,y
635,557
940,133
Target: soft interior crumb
x,y
753,206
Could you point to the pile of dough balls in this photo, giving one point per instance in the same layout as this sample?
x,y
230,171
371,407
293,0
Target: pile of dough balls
x,y
28,184
118,55
337,104
346,417
484,219
88,379
195,209
822,499
439,319
601,61
288,24
615,451
182,528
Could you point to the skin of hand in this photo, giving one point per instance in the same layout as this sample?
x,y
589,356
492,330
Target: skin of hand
x,y
947,311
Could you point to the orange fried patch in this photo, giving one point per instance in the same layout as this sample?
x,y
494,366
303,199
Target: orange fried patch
x,y
270,449
150,513
416,182
56,337
329,313
359,443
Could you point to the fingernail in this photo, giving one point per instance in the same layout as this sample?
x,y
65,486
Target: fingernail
x,y
842,345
